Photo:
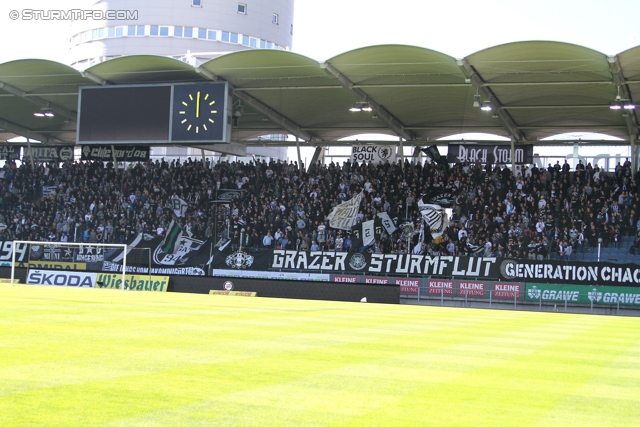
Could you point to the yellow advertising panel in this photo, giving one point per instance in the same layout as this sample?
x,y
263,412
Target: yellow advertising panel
x,y
133,282
55,265
233,293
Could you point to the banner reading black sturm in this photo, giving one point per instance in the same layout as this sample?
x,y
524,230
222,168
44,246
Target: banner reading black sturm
x,y
487,153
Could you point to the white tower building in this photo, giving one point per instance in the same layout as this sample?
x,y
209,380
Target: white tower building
x,y
192,31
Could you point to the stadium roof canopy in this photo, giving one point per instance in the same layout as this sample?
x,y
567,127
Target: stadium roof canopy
x,y
536,89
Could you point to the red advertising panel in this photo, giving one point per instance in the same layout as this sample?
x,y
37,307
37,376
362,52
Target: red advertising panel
x,y
345,279
507,290
377,280
471,289
441,287
408,286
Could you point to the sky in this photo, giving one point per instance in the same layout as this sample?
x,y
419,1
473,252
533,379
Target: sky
x,y
323,29
326,28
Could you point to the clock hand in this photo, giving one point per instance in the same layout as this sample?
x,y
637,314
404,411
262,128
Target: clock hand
x,y
198,105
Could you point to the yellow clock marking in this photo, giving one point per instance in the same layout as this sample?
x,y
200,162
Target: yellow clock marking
x,y
197,97
198,107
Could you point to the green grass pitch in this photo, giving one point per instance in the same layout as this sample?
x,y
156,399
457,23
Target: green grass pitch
x,y
88,357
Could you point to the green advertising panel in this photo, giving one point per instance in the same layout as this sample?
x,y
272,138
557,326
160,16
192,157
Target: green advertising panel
x,y
580,294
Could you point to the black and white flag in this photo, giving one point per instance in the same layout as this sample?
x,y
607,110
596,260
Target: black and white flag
x,y
344,216
435,155
368,233
435,218
387,222
179,206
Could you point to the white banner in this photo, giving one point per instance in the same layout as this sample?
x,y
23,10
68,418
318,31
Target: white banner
x,y
344,216
373,153
61,278
368,233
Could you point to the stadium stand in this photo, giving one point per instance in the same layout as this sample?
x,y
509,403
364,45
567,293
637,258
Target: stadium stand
x,y
555,213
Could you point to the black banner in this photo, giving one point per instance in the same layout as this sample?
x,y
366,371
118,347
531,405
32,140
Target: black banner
x,y
570,272
445,197
435,155
50,153
10,152
389,264
51,252
227,196
6,252
124,153
486,153
190,258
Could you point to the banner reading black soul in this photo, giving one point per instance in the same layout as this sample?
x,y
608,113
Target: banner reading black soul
x,y
486,153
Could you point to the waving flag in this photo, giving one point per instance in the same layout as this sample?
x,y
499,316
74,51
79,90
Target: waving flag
x,y
344,216
435,218
179,206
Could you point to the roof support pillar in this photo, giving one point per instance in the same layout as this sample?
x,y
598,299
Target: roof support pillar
x,y
317,155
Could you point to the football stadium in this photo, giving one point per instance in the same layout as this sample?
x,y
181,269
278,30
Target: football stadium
x,y
203,239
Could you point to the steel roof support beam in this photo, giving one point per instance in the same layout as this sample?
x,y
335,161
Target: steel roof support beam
x,y
394,124
269,113
36,100
96,79
507,122
233,149
276,117
22,131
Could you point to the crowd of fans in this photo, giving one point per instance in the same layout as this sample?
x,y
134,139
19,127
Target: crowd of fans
x,y
495,212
